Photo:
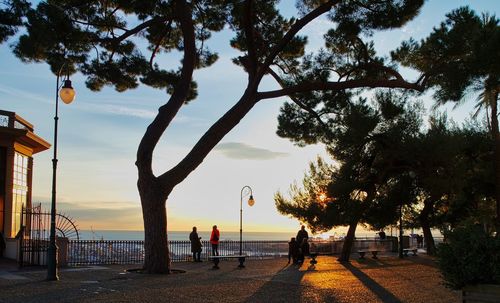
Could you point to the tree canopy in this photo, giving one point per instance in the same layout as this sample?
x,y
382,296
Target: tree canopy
x,y
371,146
458,58
439,174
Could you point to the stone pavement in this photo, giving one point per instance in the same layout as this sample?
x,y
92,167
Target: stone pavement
x,y
388,279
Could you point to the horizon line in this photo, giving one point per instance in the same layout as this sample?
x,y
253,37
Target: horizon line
x,y
184,230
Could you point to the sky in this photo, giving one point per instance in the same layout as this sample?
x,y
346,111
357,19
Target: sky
x,y
100,131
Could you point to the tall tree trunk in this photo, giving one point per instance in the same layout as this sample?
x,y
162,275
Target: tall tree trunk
x,y
496,138
152,191
157,257
400,242
348,241
426,228
429,239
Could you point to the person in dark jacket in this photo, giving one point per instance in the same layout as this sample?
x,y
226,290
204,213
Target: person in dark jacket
x,y
301,235
304,250
195,245
293,251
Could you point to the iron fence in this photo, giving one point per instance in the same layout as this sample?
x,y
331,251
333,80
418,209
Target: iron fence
x,y
92,252
33,236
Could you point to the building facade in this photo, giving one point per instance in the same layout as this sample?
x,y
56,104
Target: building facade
x,y
18,144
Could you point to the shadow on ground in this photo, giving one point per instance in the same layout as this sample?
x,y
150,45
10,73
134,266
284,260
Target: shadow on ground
x,y
383,294
287,285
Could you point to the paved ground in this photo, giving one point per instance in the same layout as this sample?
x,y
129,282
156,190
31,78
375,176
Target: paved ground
x,y
389,279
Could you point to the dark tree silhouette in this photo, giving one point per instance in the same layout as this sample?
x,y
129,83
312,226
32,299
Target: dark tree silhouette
x,y
458,57
370,180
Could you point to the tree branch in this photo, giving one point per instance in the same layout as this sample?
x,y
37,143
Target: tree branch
x,y
158,44
210,139
167,112
97,25
310,86
296,27
249,33
232,117
296,100
134,30
385,69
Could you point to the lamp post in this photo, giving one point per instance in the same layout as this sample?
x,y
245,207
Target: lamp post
x,y
67,94
251,202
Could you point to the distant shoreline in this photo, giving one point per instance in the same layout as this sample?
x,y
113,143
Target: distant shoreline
x,y
181,235
138,235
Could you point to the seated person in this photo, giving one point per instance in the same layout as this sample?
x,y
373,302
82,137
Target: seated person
x,y
304,250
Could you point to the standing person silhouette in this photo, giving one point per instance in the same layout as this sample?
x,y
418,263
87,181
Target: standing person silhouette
x,y
195,245
301,235
214,240
293,251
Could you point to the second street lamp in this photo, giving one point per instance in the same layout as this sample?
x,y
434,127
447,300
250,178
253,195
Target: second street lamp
x,y
67,94
251,202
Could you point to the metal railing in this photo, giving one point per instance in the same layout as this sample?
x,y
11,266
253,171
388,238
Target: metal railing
x,y
91,252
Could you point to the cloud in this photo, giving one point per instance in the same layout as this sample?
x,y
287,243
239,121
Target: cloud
x,y
129,111
22,95
118,110
101,215
235,150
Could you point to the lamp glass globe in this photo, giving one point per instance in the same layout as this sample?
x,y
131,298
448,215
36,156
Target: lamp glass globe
x,y
67,94
251,201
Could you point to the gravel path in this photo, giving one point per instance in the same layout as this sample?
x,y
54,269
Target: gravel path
x,y
388,279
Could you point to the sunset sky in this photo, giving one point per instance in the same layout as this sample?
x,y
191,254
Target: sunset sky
x,y
99,134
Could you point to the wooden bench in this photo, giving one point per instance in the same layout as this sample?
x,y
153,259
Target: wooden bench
x,y
407,250
216,260
363,252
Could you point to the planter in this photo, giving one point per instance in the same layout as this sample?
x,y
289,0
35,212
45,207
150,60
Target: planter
x,y
481,293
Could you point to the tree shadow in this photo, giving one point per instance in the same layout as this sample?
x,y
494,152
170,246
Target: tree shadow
x,y
377,289
396,262
423,260
285,286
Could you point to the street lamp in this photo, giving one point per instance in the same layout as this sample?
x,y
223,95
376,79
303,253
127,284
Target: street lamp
x,y
67,94
251,202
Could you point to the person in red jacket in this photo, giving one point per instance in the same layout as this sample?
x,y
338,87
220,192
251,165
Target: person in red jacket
x,y
214,240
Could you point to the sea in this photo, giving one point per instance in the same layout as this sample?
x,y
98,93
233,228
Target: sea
x,y
205,235
183,235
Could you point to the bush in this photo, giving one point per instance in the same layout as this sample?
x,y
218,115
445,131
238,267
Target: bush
x,y
469,256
